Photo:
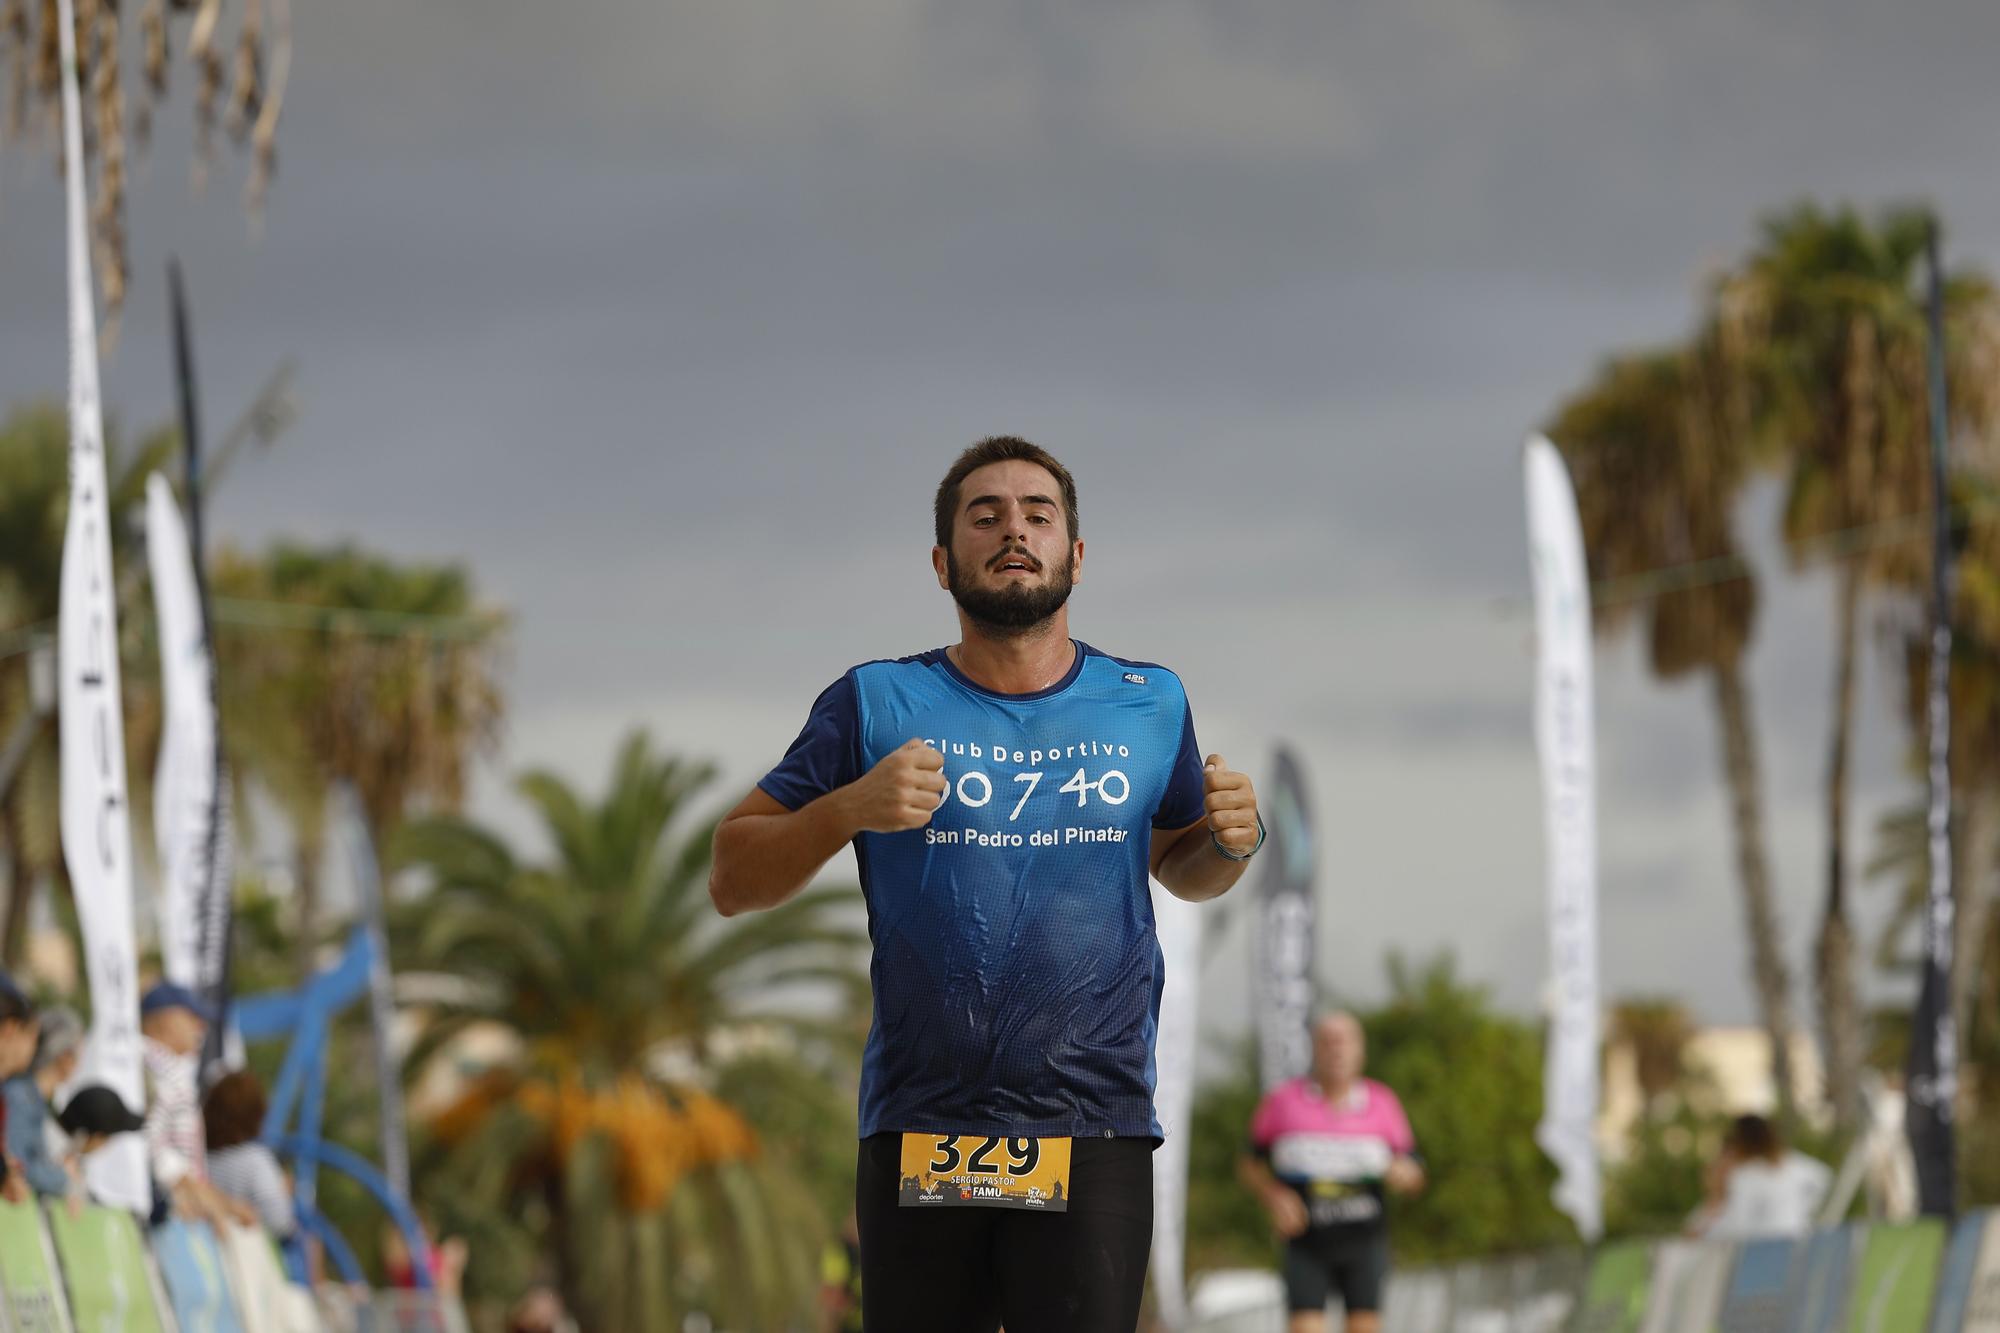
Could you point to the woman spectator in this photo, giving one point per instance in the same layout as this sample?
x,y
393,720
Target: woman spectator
x,y
1760,1187
240,1166
58,1049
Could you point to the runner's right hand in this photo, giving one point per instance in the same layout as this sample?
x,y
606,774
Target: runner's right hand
x,y
1288,1212
902,791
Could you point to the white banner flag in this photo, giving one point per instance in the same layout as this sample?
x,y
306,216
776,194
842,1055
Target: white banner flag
x,y
1283,947
96,827
185,783
1179,926
1563,736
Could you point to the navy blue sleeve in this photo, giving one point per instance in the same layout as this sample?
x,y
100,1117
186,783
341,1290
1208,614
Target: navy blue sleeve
x,y
1183,802
827,753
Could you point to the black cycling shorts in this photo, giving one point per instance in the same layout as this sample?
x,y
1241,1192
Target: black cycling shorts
x,y
1328,1263
971,1270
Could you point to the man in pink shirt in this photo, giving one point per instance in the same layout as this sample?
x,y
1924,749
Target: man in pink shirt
x,y
1324,1149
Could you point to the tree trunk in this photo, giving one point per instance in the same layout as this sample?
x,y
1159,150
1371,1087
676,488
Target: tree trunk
x,y
307,857
20,890
1767,958
1833,971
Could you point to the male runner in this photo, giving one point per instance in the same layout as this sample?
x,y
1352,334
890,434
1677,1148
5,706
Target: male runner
x,y
1323,1148
1006,797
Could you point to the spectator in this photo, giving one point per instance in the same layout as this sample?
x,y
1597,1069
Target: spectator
x,y
447,1257
94,1115
1762,1188
18,1031
239,1165
174,1020
49,1169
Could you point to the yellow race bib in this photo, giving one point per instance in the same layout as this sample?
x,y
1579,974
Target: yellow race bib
x,y
984,1171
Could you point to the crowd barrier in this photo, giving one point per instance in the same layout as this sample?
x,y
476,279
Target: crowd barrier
x,y
1919,1277
100,1271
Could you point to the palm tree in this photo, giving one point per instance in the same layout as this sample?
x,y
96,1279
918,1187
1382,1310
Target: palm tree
x,y
1657,451
1658,1031
647,1033
1829,327
339,665
253,73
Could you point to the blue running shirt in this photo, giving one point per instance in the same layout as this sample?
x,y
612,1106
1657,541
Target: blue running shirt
x,y
1016,970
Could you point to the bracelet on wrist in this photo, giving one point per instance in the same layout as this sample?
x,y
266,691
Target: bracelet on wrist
x,y
1228,855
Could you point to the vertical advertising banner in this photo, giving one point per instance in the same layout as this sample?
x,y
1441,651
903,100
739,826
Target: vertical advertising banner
x,y
1563,737
1283,962
1179,925
96,819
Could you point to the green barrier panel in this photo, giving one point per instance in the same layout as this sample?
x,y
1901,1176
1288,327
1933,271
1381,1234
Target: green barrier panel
x,y
104,1268
27,1274
1614,1295
1895,1279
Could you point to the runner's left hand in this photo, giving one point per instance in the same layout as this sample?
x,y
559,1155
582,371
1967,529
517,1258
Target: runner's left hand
x,y
1231,805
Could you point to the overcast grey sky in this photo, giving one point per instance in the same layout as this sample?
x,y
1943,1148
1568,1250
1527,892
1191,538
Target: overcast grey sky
x,y
665,319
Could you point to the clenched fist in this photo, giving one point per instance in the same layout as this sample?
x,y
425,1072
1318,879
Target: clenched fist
x,y
902,791
1231,805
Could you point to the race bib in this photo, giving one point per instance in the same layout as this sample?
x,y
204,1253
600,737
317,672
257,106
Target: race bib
x,y
984,1171
1346,1158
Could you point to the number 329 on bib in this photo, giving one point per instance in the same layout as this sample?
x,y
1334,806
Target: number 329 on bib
x,y
984,1171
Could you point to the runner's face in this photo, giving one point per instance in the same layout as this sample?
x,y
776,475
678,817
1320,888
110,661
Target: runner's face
x,y
1012,561
1339,1049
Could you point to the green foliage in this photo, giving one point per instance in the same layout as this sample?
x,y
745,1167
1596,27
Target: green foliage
x,y
633,1006
1227,1227
1471,1081
1979,1162
1654,1188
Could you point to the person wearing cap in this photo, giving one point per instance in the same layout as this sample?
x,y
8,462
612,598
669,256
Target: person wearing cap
x,y
58,1050
173,1021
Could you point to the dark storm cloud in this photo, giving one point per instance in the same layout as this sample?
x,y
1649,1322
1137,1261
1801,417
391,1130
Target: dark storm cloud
x,y
666,316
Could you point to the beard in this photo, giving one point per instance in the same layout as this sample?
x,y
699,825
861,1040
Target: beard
x,y
1014,610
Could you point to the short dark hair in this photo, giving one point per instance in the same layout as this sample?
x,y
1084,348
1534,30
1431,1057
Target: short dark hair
x,y
1000,449
233,1111
15,1007
1755,1136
